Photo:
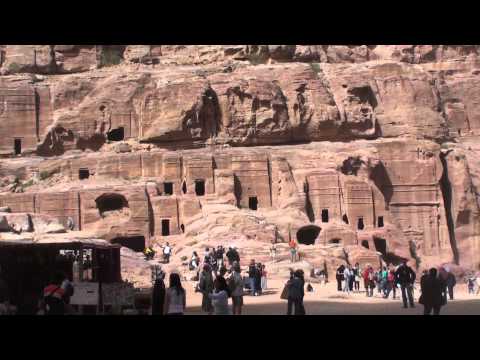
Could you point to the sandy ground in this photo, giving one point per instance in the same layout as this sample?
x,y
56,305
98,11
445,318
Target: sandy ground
x,y
325,300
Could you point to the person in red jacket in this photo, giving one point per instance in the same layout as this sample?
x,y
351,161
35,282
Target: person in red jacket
x,y
368,278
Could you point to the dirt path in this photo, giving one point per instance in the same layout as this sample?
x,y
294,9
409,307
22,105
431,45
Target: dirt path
x,y
325,300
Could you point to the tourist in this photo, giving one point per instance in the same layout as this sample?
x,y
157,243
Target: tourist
x,y
293,250
195,261
175,297
471,285
87,268
451,282
53,296
391,285
149,253
339,277
158,296
236,286
369,280
205,286
236,255
347,276
219,256
442,275
68,290
405,276
167,251
220,296
351,278
384,281
258,279
70,223
296,293
264,278
357,275
431,297
208,258
273,252
252,274
230,256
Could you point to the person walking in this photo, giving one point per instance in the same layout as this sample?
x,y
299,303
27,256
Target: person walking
x,y
252,274
68,290
235,283
442,276
391,285
175,297
264,278
451,282
195,261
293,251
219,297
296,293
347,276
258,279
471,285
230,256
219,256
158,296
167,251
369,280
339,276
205,286
53,296
405,276
431,297
357,275
273,252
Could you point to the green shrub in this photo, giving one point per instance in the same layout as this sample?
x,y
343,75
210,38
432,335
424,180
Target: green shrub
x,y
315,67
184,258
14,67
110,57
44,175
27,184
256,59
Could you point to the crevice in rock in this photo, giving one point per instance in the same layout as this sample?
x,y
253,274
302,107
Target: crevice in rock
x,y
308,203
446,188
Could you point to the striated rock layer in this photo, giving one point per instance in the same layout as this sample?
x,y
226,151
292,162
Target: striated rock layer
x,y
355,151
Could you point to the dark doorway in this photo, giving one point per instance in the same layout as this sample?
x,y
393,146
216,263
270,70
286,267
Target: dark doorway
x,y
110,202
345,218
360,224
17,146
165,227
325,215
135,243
365,244
334,241
182,227
380,245
200,187
184,187
168,188
116,134
308,234
380,221
83,174
253,202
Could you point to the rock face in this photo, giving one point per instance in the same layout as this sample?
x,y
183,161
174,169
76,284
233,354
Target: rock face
x,y
354,151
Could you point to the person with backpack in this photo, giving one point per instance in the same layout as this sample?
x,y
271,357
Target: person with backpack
x,y
391,285
369,280
296,293
405,276
205,286
235,284
175,297
339,277
53,296
167,251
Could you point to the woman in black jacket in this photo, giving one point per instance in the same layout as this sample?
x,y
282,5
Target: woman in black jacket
x,y
339,277
158,297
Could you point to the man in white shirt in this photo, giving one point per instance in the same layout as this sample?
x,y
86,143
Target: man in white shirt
x,y
167,250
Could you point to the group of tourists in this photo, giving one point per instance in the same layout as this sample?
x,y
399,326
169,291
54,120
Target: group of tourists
x,y
166,252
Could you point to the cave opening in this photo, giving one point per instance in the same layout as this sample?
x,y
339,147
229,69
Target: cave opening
x,y
365,244
325,215
345,218
380,245
184,187
168,188
182,227
380,221
110,202
135,243
308,234
360,224
83,174
117,134
200,187
165,227
253,202
334,241
17,146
